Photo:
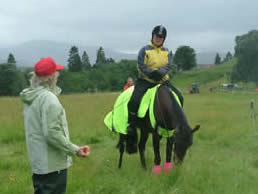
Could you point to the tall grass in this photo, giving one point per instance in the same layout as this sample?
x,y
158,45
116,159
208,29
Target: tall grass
x,y
223,158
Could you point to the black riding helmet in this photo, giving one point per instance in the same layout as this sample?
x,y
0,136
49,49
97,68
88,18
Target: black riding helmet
x,y
159,31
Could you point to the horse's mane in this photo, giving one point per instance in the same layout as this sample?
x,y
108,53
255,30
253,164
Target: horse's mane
x,y
180,116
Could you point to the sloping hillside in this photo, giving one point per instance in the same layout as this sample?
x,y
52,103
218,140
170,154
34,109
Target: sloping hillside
x,y
204,76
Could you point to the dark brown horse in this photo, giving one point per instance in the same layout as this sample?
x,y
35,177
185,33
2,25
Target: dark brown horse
x,y
169,115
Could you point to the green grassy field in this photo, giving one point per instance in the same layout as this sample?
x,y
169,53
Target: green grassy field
x,y
223,158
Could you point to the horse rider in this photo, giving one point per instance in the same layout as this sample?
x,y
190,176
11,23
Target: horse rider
x,y
154,64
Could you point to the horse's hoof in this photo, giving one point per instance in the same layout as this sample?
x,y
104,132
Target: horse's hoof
x,y
156,169
167,167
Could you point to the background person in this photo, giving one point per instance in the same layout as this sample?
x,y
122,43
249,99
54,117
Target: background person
x,y
129,83
46,130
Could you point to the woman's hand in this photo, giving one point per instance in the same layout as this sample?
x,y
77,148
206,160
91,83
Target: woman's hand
x,y
83,151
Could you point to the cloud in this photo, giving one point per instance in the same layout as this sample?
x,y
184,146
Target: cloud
x,y
127,25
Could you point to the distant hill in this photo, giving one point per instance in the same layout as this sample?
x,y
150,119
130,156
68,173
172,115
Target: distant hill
x,y
205,76
28,53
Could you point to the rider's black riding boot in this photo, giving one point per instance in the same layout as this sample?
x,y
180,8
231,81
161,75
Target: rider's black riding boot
x,y
131,133
132,118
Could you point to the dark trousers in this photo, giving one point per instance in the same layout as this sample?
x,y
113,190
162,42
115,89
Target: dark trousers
x,y
52,183
141,87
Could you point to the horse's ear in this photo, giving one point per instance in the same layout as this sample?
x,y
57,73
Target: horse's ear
x,y
196,128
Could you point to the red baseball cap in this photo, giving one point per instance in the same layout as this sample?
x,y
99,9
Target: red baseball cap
x,y
46,66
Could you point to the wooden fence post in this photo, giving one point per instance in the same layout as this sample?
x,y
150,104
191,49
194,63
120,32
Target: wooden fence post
x,y
252,114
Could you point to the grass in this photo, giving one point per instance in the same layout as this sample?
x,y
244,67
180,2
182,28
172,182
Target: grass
x,y
223,158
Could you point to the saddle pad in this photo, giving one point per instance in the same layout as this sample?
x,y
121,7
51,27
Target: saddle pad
x,y
117,119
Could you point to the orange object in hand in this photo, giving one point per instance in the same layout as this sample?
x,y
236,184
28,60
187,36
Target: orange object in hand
x,y
86,149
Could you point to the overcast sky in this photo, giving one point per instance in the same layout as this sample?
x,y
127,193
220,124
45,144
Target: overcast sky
x,y
126,25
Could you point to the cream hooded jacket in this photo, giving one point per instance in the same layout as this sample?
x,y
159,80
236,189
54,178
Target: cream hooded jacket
x,y
46,129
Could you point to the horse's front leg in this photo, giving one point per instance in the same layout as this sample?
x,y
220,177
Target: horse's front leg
x,y
141,146
169,148
156,143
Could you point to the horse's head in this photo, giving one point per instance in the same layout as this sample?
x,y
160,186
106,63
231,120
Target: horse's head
x,y
183,140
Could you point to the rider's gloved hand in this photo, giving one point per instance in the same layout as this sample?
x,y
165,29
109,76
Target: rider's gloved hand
x,y
155,75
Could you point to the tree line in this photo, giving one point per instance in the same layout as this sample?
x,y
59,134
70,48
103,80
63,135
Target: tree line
x,y
108,75
77,63
246,51
12,81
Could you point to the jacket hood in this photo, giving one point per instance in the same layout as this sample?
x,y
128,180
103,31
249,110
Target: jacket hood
x,y
28,95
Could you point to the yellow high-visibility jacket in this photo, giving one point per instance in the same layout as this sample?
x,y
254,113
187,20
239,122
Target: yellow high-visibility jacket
x,y
152,58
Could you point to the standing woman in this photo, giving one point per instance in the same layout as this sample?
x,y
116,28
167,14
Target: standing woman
x,y
47,136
